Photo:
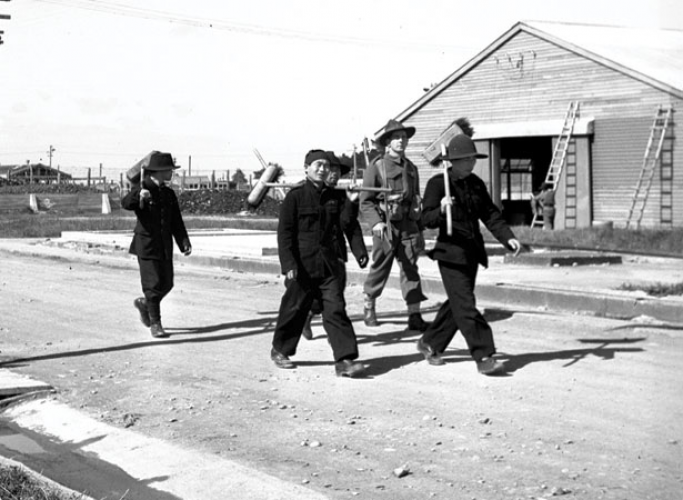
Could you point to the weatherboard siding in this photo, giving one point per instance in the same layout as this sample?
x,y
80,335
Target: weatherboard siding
x,y
528,79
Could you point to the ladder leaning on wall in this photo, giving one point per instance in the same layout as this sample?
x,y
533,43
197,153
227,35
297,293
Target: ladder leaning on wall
x,y
560,153
650,161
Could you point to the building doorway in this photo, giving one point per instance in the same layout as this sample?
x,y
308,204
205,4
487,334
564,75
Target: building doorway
x,y
524,163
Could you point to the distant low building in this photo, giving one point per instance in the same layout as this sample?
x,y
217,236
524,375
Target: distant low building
x,y
36,173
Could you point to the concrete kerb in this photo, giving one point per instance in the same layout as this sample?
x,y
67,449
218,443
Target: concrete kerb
x,y
583,301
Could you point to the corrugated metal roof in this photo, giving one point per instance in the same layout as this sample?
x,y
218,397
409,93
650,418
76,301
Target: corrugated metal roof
x,y
653,56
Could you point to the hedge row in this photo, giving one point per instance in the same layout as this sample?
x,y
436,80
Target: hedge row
x,y
200,202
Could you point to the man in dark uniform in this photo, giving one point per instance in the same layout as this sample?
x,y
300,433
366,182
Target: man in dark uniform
x,y
395,222
159,223
311,250
460,254
352,231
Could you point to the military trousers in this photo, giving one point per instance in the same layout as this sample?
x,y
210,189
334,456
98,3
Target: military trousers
x,y
406,251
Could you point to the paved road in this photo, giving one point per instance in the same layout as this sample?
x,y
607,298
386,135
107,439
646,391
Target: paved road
x,y
592,406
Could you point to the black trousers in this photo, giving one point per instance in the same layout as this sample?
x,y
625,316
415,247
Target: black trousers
x,y
294,307
460,312
316,305
156,277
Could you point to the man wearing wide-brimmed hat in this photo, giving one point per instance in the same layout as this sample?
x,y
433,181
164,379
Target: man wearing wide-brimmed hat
x,y
460,253
159,223
395,222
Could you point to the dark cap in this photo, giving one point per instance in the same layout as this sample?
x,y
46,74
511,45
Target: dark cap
x,y
315,154
461,146
391,127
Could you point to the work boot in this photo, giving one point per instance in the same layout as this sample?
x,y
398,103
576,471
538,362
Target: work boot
x,y
158,331
307,333
141,305
348,368
432,357
280,360
489,366
370,317
415,322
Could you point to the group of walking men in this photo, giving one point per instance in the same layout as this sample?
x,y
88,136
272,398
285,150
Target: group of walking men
x,y
316,219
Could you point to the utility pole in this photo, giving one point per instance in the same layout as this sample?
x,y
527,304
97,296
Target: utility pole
x,y
4,16
49,154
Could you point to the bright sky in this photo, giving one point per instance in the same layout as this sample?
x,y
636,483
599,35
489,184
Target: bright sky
x,y
106,81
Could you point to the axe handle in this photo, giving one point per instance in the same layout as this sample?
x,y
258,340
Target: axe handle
x,y
447,191
142,186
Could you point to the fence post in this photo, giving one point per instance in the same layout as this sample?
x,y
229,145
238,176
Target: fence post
x,y
88,176
213,179
106,205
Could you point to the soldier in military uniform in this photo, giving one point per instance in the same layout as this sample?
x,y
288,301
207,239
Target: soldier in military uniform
x,y
460,254
395,222
159,222
311,250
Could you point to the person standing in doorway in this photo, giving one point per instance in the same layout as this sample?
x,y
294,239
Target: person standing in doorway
x,y
395,220
545,201
460,253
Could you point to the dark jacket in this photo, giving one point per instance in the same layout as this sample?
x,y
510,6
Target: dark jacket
x,y
311,231
159,222
353,230
471,204
402,177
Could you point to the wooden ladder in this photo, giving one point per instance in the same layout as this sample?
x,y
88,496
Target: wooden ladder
x,y
653,151
554,173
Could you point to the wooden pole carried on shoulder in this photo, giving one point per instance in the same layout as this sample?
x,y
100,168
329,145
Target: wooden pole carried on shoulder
x,y
142,186
447,191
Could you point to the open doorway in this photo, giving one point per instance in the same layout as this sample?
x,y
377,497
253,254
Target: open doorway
x,y
524,163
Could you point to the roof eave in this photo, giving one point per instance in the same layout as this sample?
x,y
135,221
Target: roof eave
x,y
514,30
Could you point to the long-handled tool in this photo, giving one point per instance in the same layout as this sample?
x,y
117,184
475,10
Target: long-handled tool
x,y
447,190
142,180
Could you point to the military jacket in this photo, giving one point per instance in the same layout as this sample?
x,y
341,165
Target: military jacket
x,y
403,206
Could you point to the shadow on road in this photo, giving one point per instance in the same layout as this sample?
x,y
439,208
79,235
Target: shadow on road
x,y
605,349
261,325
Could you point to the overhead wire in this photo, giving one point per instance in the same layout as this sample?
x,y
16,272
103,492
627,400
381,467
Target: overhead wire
x,y
108,7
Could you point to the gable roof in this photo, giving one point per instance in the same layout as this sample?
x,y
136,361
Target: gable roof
x,y
652,56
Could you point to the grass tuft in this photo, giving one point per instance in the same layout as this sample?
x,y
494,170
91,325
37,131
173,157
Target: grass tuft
x,y
654,289
17,484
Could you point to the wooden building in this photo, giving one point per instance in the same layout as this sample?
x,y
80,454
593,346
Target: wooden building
x,y
37,173
516,94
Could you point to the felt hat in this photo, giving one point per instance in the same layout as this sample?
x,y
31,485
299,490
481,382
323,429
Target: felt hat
x,y
160,161
393,126
335,161
461,146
